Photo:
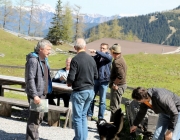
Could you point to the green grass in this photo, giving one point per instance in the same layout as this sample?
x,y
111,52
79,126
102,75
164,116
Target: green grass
x,y
15,95
150,70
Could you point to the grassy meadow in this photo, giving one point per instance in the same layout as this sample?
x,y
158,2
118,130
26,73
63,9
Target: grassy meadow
x,y
147,70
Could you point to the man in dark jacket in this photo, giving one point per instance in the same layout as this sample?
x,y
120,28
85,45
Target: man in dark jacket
x,y
117,81
38,84
81,77
103,61
163,102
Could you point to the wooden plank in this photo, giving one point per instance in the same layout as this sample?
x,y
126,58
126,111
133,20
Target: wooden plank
x,y
12,101
53,118
17,102
14,89
5,110
58,108
1,91
68,118
10,80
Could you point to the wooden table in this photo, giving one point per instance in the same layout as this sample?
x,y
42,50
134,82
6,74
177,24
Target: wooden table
x,y
12,80
54,111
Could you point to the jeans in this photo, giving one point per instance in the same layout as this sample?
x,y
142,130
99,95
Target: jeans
x,y
100,87
162,126
80,103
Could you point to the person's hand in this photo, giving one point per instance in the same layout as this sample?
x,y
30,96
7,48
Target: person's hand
x,y
133,128
69,85
62,78
37,100
168,135
92,50
115,87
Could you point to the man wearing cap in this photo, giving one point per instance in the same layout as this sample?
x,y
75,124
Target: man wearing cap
x,y
103,61
117,82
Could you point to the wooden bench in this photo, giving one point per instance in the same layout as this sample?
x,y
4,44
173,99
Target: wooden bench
x,y
53,113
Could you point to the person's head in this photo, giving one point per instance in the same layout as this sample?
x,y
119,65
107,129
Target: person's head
x,y
43,48
115,50
68,61
104,47
140,94
80,45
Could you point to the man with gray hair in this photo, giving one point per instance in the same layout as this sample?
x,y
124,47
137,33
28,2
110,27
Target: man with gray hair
x,y
81,77
38,84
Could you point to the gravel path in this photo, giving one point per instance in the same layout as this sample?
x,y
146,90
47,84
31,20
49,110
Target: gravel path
x,y
15,129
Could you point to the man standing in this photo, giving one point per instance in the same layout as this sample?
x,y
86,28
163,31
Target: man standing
x,y
117,79
81,77
38,84
163,102
103,61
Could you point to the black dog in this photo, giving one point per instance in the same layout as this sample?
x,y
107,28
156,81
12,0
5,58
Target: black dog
x,y
110,131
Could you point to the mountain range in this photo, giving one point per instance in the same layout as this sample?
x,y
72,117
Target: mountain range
x,y
158,27
43,15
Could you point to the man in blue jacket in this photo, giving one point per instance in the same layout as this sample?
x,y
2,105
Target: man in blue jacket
x,y
163,102
38,84
103,61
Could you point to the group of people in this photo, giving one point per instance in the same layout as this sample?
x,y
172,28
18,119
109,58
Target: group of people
x,y
89,76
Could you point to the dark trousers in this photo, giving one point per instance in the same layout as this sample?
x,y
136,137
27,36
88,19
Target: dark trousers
x,y
115,100
64,96
34,120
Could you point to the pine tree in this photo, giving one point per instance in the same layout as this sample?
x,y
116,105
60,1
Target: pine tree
x,y
116,30
131,37
55,32
105,29
100,31
92,36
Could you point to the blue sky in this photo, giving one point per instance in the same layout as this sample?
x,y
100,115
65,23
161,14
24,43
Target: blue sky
x,y
122,7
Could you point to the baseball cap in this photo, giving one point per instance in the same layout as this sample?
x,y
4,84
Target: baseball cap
x,y
116,48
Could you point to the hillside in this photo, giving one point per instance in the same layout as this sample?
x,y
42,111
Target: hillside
x,y
159,27
13,51
143,69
